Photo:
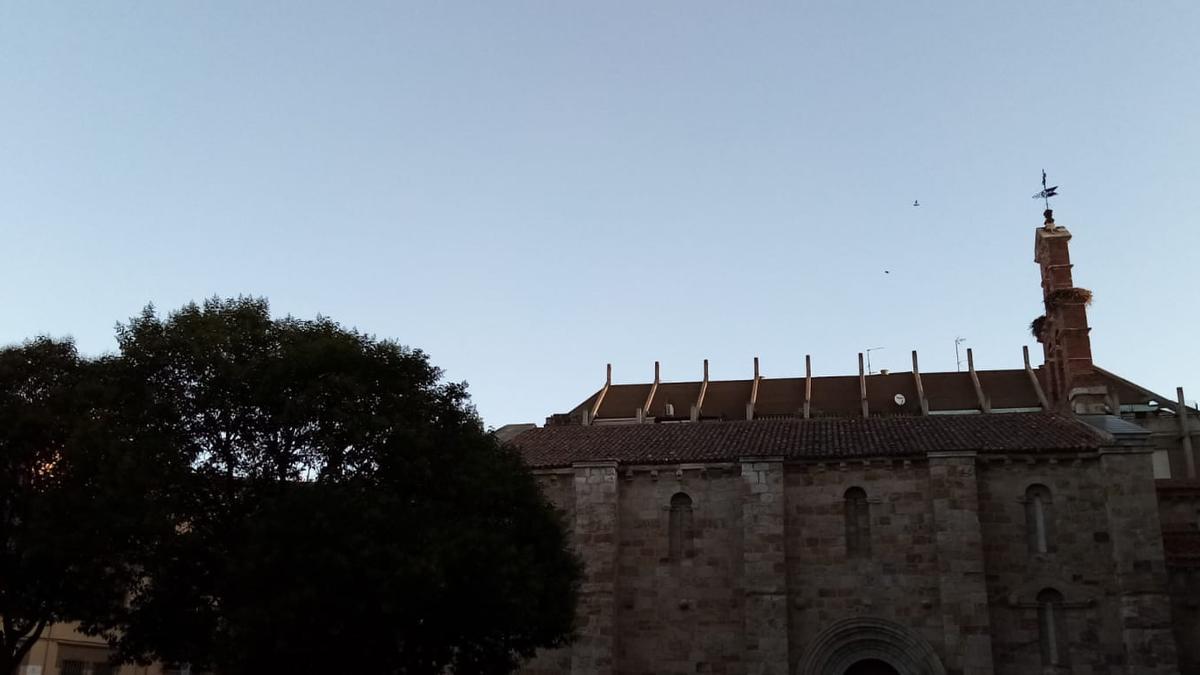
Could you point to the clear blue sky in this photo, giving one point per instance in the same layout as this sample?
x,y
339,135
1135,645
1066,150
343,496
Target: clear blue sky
x,y
530,190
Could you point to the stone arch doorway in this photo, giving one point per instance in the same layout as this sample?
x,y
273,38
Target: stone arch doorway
x,y
867,646
871,667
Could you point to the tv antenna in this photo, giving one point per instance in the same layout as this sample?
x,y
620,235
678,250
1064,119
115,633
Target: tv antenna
x,y
868,353
1047,192
958,359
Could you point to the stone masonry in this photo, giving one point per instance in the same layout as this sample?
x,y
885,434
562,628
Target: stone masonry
x,y
949,585
764,566
953,492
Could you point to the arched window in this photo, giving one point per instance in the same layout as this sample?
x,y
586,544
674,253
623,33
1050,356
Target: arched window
x,y
681,533
858,523
1039,519
1052,628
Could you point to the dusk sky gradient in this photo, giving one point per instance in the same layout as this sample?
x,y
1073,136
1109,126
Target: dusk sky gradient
x,y
529,190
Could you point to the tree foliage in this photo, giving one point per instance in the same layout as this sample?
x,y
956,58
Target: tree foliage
x,y
74,489
344,510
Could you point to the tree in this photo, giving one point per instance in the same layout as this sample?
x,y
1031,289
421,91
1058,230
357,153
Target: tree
x,y
72,492
345,511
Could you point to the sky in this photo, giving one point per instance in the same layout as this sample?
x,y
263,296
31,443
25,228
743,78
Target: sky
x,y
530,190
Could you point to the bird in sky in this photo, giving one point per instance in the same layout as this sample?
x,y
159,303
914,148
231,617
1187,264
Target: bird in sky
x,y
916,203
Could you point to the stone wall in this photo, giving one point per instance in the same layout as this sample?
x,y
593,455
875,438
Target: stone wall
x,y
596,532
1078,563
764,566
1179,511
1139,561
1185,617
681,615
897,581
954,496
559,488
949,579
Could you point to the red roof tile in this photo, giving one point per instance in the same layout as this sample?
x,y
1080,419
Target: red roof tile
x,y
833,438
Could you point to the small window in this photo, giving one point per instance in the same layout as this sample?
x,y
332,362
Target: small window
x,y
1039,519
858,523
681,530
72,667
1052,628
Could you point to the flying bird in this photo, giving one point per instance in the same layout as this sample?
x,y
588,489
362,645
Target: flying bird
x,y
916,203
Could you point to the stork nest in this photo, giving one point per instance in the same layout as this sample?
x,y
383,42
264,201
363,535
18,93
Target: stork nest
x,y
1037,325
1069,296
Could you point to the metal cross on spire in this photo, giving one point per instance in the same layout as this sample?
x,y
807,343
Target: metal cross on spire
x,y
1047,192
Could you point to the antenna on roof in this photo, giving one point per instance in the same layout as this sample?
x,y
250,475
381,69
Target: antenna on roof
x,y
868,353
958,359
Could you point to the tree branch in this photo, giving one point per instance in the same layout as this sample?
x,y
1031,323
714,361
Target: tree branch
x,y
17,644
31,638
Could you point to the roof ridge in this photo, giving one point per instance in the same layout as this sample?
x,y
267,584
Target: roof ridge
x,y
798,438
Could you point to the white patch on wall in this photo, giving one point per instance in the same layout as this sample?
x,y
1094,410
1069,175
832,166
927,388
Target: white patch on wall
x,y
1162,464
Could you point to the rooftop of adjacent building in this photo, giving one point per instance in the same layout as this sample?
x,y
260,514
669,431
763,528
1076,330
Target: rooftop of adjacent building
x,y
1067,403
886,394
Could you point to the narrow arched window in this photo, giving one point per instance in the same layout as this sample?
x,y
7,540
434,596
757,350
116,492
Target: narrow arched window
x,y
858,523
1039,519
1052,628
681,533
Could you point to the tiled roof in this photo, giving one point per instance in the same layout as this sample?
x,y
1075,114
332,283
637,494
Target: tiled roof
x,y
832,396
839,395
833,438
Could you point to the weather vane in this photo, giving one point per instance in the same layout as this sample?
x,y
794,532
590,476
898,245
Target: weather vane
x,y
1047,192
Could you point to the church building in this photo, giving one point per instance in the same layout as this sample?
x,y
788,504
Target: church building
x,y
988,522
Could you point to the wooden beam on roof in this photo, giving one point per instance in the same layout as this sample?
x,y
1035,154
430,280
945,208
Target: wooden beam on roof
x,y
753,393
807,384
587,418
699,405
1037,386
862,386
650,397
984,404
920,387
1185,434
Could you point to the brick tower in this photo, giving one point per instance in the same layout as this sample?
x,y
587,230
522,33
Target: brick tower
x,y
1072,382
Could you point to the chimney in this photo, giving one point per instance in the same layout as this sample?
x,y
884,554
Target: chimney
x,y
1072,382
